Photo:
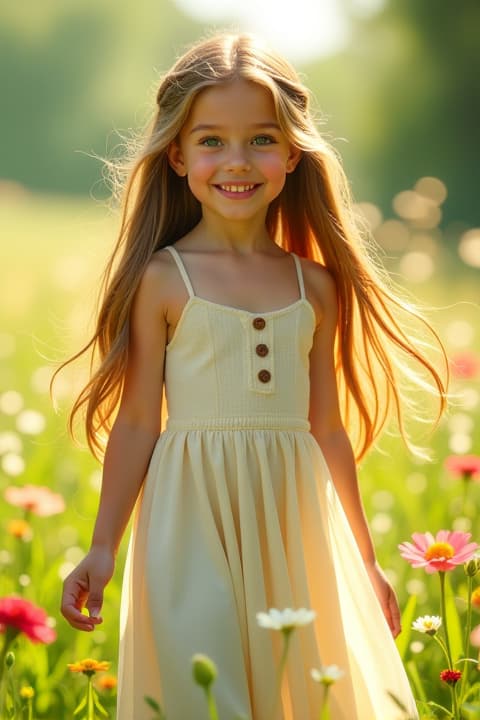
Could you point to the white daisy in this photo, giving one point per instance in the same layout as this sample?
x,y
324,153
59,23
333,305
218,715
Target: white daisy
x,y
327,675
285,620
428,624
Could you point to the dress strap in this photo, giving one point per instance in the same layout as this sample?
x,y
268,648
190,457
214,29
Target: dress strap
x,y
181,268
301,284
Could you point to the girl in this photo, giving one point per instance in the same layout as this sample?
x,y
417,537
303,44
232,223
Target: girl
x,y
242,284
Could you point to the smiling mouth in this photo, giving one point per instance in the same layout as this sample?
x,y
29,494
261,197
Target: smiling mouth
x,y
246,187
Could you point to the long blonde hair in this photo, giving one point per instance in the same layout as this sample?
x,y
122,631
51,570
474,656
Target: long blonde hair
x,y
313,217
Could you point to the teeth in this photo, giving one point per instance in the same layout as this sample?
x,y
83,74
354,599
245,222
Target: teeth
x,y
237,188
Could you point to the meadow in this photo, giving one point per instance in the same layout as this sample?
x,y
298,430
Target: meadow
x,y
53,251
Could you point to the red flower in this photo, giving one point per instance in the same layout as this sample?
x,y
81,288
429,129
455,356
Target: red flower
x,y
465,365
451,677
38,500
21,615
464,466
441,553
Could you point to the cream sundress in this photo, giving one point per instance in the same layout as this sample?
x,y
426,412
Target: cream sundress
x,y
239,514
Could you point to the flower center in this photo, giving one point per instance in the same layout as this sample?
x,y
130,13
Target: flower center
x,y
439,551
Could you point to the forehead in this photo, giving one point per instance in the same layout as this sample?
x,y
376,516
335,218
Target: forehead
x,y
237,102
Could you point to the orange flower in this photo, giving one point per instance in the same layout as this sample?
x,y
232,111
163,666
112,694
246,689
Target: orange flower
x,y
38,500
20,529
89,666
107,682
475,598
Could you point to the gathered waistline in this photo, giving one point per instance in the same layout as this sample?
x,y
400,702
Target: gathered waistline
x,y
263,422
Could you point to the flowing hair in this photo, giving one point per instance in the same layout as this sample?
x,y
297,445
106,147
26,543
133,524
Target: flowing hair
x,y
313,216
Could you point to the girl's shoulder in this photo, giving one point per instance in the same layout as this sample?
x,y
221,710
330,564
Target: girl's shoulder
x,y
320,289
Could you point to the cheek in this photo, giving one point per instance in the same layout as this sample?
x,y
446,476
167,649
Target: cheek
x,y
202,167
274,166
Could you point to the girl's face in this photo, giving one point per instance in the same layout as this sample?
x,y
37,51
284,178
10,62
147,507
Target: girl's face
x,y
233,152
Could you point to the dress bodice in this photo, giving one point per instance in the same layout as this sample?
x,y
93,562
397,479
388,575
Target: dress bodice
x,y
230,368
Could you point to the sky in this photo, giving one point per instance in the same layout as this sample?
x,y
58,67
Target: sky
x,y
300,29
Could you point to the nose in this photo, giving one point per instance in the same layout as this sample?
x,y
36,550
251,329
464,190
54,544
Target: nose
x,y
237,159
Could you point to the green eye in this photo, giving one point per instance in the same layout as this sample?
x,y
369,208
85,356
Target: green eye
x,y
210,142
263,140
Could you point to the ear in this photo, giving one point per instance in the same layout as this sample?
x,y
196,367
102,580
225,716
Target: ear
x,y
176,159
293,158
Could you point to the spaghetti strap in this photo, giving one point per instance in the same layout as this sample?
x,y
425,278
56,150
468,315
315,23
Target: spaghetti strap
x,y
181,268
301,284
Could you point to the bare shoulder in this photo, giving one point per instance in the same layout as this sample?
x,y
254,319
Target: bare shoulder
x,y
321,290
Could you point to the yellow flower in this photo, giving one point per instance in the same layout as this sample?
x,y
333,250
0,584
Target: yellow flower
x,y
27,692
89,666
20,529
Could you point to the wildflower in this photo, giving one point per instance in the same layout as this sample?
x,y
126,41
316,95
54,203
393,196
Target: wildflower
x,y
36,499
285,620
451,677
444,552
475,637
107,682
20,529
428,624
327,675
18,615
464,466
475,598
204,670
465,365
89,666
27,692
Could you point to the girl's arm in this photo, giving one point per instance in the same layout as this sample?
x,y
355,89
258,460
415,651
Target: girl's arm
x,y
328,430
130,446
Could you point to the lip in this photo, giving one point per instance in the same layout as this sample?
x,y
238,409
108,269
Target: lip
x,y
237,190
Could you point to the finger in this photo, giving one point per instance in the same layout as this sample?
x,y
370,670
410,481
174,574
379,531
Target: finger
x,y
73,601
394,610
95,601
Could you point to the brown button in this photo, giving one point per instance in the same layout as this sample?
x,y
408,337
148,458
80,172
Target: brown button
x,y
264,376
261,350
258,323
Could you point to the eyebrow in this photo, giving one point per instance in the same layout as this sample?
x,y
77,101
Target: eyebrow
x,y
261,125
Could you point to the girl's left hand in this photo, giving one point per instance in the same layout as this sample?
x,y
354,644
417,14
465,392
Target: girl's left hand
x,y
386,596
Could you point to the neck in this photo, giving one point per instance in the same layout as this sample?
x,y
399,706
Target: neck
x,y
242,236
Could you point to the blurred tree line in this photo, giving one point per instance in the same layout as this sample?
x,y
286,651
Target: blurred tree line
x,y
401,102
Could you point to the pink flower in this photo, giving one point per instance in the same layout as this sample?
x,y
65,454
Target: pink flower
x,y
465,365
38,500
441,553
464,466
23,616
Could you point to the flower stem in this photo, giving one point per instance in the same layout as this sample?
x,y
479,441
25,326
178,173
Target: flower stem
x,y
286,634
466,644
442,645
445,621
325,709
90,703
211,704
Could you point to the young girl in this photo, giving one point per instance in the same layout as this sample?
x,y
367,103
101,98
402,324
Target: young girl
x,y
244,287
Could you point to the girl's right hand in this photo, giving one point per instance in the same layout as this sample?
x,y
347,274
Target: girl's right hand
x,y
84,588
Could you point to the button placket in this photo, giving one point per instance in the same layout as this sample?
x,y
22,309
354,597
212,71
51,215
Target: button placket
x,y
261,355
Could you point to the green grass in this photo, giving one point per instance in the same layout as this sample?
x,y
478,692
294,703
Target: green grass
x,y
53,250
